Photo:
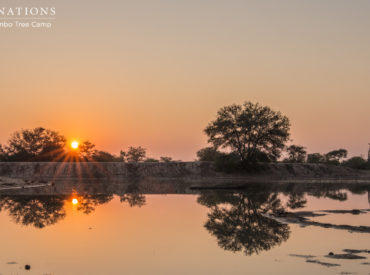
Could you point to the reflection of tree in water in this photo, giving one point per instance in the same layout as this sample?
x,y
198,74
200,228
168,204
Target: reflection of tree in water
x,y
296,200
237,220
133,196
87,203
39,211
361,190
331,194
133,199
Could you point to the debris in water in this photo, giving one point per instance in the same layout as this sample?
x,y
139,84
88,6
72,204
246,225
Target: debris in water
x,y
355,251
347,256
321,263
302,256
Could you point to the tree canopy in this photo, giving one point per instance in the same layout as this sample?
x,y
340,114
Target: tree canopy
x,y
296,153
208,154
357,163
248,130
38,144
336,155
315,158
134,154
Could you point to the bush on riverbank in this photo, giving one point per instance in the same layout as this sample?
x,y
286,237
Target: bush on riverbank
x,y
357,163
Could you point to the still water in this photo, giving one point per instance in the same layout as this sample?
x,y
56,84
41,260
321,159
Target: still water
x,y
198,232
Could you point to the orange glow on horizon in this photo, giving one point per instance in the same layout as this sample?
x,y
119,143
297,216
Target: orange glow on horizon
x,y
123,99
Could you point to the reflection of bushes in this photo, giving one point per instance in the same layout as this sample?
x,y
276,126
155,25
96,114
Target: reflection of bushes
x,y
133,196
296,200
87,203
238,223
134,199
331,194
39,211
357,163
361,191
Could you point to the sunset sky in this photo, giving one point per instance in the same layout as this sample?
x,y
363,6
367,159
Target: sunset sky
x,y
154,73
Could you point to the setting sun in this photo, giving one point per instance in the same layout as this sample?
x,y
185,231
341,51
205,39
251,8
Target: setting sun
x,y
74,201
74,144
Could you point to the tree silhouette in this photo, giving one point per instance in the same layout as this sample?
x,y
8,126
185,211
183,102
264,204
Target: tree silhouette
x,y
356,163
315,158
37,144
248,130
238,223
133,154
86,150
296,153
336,156
38,211
208,154
165,159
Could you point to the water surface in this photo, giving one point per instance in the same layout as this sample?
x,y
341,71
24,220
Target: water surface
x,y
205,232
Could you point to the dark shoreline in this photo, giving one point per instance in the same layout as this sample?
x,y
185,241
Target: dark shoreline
x,y
174,177
279,172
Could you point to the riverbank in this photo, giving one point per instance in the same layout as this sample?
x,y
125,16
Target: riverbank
x,y
196,172
9,184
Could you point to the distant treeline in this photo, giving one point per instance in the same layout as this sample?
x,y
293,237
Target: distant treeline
x,y
44,145
244,135
230,162
241,136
